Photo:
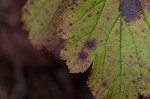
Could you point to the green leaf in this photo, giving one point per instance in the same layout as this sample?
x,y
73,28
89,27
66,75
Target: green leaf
x,y
41,19
113,36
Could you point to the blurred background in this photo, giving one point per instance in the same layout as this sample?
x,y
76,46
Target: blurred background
x,y
28,73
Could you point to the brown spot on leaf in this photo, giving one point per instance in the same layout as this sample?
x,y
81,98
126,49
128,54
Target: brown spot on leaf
x,y
133,81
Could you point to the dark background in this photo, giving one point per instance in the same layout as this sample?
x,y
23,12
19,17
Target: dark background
x,y
28,73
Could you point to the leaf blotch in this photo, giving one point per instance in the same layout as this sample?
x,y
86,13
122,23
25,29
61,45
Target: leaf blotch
x,y
91,44
130,10
83,56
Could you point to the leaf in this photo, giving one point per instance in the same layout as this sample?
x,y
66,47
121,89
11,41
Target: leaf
x,y
41,19
113,36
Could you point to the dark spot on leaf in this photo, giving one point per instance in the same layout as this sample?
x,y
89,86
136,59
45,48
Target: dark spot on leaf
x,y
83,55
70,24
91,44
130,10
133,81
141,74
124,74
107,18
131,56
89,15
139,78
72,8
140,65
139,58
60,30
143,30
75,1
104,84
127,96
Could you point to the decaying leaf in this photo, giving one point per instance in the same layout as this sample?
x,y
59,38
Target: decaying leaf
x,y
114,35
41,19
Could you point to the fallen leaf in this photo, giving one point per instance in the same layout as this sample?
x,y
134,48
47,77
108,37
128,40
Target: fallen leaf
x,y
113,36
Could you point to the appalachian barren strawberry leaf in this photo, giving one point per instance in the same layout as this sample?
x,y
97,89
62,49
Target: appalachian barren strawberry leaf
x,y
114,35
41,18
